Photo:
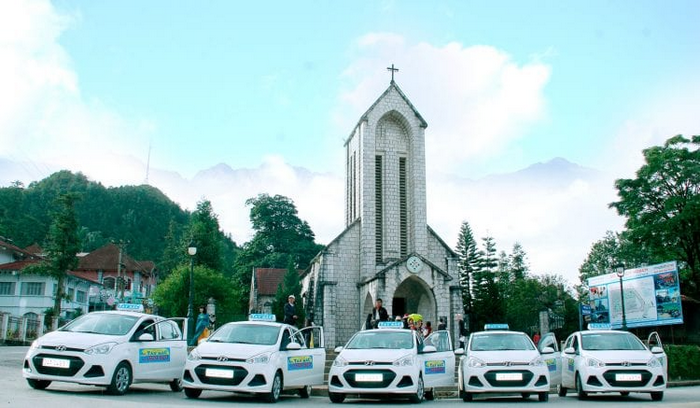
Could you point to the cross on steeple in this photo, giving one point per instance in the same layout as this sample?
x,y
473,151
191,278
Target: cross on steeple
x,y
392,69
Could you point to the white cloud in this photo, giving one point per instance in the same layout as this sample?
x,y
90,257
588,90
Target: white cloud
x,y
476,99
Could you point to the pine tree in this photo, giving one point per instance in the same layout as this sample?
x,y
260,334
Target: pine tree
x,y
469,261
487,299
518,262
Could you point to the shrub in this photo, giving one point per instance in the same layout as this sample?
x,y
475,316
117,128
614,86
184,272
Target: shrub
x,y
683,362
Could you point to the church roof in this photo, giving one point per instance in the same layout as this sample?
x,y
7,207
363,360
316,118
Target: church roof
x,y
392,85
403,260
267,280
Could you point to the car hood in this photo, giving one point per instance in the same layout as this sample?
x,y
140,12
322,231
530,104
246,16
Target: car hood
x,y
232,350
376,355
618,356
76,340
519,356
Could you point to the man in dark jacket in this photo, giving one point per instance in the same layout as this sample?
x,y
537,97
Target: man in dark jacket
x,y
290,314
379,314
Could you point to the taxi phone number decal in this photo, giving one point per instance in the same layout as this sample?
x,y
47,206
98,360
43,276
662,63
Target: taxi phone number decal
x,y
300,363
435,367
551,364
571,364
154,355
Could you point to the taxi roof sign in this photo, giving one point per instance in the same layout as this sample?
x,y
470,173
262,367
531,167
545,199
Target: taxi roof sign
x,y
130,307
496,326
390,325
599,326
262,317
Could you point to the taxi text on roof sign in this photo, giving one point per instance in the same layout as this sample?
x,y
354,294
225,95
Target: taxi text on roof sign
x,y
130,307
496,326
390,325
599,326
262,317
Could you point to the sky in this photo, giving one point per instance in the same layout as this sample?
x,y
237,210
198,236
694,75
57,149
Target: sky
x,y
278,86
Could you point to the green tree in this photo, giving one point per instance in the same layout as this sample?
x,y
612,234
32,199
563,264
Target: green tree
x,y
172,295
290,286
518,262
487,296
662,205
469,262
204,231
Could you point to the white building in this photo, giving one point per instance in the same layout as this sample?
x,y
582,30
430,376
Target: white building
x,y
387,250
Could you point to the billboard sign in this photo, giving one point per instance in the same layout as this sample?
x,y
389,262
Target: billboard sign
x,y
652,297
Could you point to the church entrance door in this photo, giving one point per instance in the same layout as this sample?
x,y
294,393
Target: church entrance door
x,y
413,295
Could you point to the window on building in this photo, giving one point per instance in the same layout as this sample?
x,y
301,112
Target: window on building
x,y
32,288
403,207
109,282
70,294
379,209
7,288
81,296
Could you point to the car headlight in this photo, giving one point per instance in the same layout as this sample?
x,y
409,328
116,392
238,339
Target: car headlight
x,y
594,362
475,363
103,348
654,363
194,355
537,362
263,358
404,361
340,362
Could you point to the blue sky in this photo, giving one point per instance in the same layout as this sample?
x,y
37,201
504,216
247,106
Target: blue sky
x,y
276,87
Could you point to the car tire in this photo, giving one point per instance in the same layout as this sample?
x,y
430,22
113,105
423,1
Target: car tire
x,y
582,395
543,396
276,389
336,398
38,384
121,379
525,395
561,390
624,393
193,393
467,397
430,395
420,392
175,385
305,391
657,396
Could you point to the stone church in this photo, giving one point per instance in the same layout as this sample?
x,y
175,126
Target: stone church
x,y
387,250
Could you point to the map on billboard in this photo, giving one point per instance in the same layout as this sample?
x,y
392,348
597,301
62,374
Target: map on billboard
x,y
652,297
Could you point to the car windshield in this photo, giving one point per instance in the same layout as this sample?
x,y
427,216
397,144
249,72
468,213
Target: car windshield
x,y
501,341
112,324
246,334
610,341
378,339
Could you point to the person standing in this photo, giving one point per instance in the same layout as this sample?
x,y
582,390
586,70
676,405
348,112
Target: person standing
x,y
290,314
379,314
201,327
442,324
461,327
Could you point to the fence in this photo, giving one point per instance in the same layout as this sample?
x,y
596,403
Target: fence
x,y
20,330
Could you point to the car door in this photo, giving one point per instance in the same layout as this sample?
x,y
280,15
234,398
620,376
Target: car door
x,y
654,340
170,337
161,357
315,345
438,367
568,362
553,360
297,364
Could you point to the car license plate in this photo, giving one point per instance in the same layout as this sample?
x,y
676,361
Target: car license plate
x,y
55,363
509,376
216,373
628,377
368,377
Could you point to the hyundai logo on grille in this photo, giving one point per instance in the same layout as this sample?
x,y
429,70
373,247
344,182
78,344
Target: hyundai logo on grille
x,y
626,364
507,364
369,363
222,358
61,348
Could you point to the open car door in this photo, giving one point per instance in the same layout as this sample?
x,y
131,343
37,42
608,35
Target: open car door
x,y
315,349
438,367
654,340
553,360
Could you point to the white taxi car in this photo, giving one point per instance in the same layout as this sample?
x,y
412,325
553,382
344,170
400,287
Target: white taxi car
x,y
611,361
112,348
392,360
258,356
497,360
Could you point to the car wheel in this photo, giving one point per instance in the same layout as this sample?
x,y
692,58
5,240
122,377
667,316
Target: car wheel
x,y
336,398
420,392
624,393
561,391
38,384
176,385
467,397
525,395
192,393
305,392
121,379
274,394
430,395
543,396
657,396
582,395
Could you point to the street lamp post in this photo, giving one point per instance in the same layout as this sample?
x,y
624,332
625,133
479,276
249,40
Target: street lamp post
x,y
191,251
620,271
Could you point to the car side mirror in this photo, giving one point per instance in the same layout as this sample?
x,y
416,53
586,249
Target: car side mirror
x,y
657,350
429,349
146,337
338,349
547,350
570,350
293,346
459,351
